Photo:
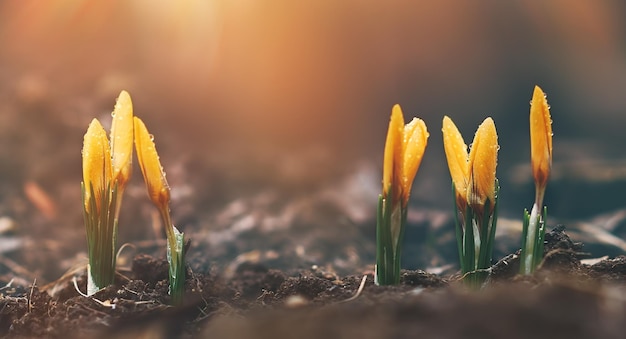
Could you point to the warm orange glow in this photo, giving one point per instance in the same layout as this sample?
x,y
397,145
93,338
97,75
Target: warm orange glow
x,y
96,163
540,138
158,189
122,140
404,150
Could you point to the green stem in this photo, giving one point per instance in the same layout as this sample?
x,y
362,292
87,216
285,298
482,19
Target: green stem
x,y
175,258
531,239
458,228
540,239
475,240
101,227
390,227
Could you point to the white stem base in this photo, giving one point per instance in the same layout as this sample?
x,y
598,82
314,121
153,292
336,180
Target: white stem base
x,y
533,226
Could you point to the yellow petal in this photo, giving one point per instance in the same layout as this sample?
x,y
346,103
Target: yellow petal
x,y
456,154
540,138
96,163
158,190
122,139
414,144
483,159
392,165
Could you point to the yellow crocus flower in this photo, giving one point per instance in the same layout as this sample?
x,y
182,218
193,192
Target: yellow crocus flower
x,y
457,156
473,174
404,149
414,145
158,189
96,164
122,140
392,169
483,159
540,139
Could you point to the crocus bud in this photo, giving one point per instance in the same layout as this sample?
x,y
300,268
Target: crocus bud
x,y
457,156
473,174
414,143
540,140
392,164
483,159
153,174
404,150
96,164
122,140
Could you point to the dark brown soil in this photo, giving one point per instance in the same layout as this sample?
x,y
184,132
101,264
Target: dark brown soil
x,y
565,299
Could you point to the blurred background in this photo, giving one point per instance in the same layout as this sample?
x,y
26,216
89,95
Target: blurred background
x,y
273,113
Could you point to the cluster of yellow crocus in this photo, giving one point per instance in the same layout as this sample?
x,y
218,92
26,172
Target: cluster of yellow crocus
x,y
107,169
473,174
106,172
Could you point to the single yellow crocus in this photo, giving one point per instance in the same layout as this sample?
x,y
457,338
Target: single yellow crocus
x,y
122,140
158,189
540,141
473,174
96,164
404,149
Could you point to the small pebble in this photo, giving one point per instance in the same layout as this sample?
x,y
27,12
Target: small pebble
x,y
296,301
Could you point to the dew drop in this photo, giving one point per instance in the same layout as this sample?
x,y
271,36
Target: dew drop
x,y
548,106
530,102
113,114
151,137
